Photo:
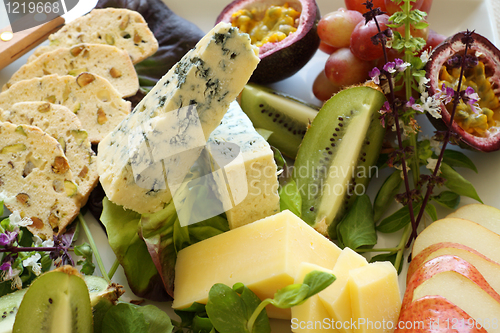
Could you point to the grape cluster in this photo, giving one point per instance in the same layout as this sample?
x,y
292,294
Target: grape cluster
x,y
348,40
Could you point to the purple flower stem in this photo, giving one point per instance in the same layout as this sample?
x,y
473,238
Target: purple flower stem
x,y
430,186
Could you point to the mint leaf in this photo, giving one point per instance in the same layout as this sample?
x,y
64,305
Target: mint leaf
x,y
84,250
457,183
290,198
398,220
158,321
226,310
123,318
447,199
455,158
291,295
386,194
251,301
431,210
317,281
357,228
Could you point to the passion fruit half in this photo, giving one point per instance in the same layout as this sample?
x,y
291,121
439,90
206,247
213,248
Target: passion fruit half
x,y
284,31
477,126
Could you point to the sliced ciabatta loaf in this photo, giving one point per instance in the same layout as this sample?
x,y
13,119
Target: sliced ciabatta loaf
x,y
93,99
64,126
36,180
106,61
123,28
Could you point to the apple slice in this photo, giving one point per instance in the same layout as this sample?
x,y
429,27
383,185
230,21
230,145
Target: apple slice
x,y
489,269
442,265
421,316
487,216
465,294
460,231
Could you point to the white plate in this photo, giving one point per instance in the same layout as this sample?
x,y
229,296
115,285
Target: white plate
x,y
446,17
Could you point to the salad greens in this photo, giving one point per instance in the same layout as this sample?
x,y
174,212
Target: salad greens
x,y
122,227
239,310
131,318
357,228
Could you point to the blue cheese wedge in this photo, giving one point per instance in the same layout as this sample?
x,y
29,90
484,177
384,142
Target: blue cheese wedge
x,y
157,143
249,168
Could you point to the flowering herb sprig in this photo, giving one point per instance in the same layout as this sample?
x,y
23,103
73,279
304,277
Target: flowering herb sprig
x,y
26,256
410,153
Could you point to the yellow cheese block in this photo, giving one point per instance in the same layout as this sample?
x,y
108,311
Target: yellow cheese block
x,y
311,316
375,297
264,255
337,297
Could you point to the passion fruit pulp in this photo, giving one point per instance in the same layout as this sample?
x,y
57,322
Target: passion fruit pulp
x,y
478,126
283,30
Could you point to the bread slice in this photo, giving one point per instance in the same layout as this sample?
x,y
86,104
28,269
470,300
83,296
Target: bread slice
x,y
64,126
106,61
36,180
123,28
97,104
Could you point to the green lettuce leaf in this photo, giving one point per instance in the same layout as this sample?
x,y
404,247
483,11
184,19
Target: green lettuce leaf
x,y
122,227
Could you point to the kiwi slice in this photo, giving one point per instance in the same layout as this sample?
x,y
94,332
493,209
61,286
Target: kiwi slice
x,y
102,297
336,157
57,301
279,113
9,305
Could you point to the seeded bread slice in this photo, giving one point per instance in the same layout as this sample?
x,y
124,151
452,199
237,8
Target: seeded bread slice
x,y
123,28
64,126
95,101
35,179
106,61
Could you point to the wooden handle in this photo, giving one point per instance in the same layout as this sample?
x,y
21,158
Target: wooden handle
x,y
25,40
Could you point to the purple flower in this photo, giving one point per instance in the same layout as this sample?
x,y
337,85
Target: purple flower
x,y
386,108
375,75
390,67
447,94
7,238
470,96
6,266
401,65
411,104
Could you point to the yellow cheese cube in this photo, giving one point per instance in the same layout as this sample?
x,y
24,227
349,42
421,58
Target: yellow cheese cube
x,y
265,255
337,298
311,316
375,297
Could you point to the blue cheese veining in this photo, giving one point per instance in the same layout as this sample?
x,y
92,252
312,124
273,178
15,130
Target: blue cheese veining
x,y
165,133
251,174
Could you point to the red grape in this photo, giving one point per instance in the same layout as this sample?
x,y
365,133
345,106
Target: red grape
x,y
335,28
323,88
361,43
426,6
434,40
342,68
358,5
392,7
328,49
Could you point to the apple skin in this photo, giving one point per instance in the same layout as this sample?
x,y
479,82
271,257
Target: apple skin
x,y
441,264
432,310
422,256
